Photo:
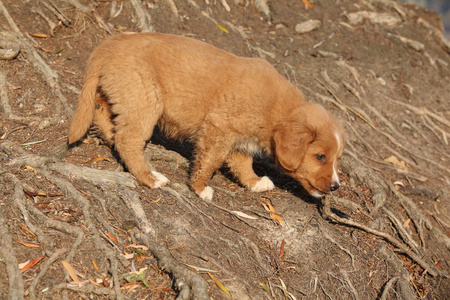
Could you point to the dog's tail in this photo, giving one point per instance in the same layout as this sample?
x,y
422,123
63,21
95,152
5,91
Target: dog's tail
x,y
84,114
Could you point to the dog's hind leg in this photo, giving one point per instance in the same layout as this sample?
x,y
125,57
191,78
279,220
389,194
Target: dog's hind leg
x,y
241,166
103,118
135,121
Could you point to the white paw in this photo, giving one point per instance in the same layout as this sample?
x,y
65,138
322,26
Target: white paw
x,y
207,193
161,179
264,184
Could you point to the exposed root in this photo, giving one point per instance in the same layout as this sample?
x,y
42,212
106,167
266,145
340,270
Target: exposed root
x,y
133,202
327,213
16,286
49,75
387,287
144,19
45,267
4,99
187,282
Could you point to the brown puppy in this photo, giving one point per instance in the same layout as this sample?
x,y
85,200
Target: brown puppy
x,y
231,107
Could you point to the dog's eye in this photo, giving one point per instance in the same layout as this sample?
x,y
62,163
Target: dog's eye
x,y
321,157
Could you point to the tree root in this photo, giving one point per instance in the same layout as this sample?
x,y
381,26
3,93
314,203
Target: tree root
x,y
46,266
187,282
328,214
49,75
16,286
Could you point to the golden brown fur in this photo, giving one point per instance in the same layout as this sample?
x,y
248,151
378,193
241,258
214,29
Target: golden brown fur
x,y
229,106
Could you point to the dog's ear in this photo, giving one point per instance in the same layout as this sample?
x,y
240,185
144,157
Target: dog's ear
x,y
291,139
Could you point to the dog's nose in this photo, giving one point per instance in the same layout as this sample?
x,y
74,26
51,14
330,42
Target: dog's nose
x,y
334,185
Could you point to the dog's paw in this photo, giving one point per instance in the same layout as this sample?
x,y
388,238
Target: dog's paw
x,y
207,193
264,184
160,180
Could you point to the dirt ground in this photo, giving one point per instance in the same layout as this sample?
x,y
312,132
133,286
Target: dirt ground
x,y
73,224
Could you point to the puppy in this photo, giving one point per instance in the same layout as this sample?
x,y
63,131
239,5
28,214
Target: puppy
x,y
230,107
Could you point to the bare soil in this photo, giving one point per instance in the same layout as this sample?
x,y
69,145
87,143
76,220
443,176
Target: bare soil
x,y
383,235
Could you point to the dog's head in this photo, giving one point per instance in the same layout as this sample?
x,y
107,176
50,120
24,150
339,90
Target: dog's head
x,y
307,145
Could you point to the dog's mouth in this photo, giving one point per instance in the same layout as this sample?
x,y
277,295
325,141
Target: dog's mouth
x,y
311,189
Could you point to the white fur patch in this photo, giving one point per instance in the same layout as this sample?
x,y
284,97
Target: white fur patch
x,y
317,194
207,193
335,177
264,184
161,179
249,146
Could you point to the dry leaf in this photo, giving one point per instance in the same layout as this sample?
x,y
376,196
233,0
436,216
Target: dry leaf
x,y
39,35
406,223
220,285
30,169
27,231
113,238
244,215
105,282
95,265
29,245
265,287
307,3
31,264
278,218
222,28
142,247
395,161
269,207
70,270
282,249
96,159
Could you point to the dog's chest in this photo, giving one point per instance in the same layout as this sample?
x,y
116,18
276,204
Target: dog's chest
x,y
249,145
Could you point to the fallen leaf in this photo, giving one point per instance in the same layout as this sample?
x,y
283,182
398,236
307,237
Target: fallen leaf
x,y
265,287
282,249
105,282
244,215
307,3
395,161
31,264
70,270
39,35
142,247
220,285
95,265
222,28
113,238
406,223
42,194
30,169
268,206
135,277
27,231
29,245
96,159
438,265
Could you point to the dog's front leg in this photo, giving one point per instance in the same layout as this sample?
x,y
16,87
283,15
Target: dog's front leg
x,y
241,165
211,153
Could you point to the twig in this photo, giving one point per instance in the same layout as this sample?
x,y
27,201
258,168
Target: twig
x,y
345,105
421,111
327,213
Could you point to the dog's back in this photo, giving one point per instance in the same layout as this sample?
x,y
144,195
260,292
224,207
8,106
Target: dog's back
x,y
192,78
